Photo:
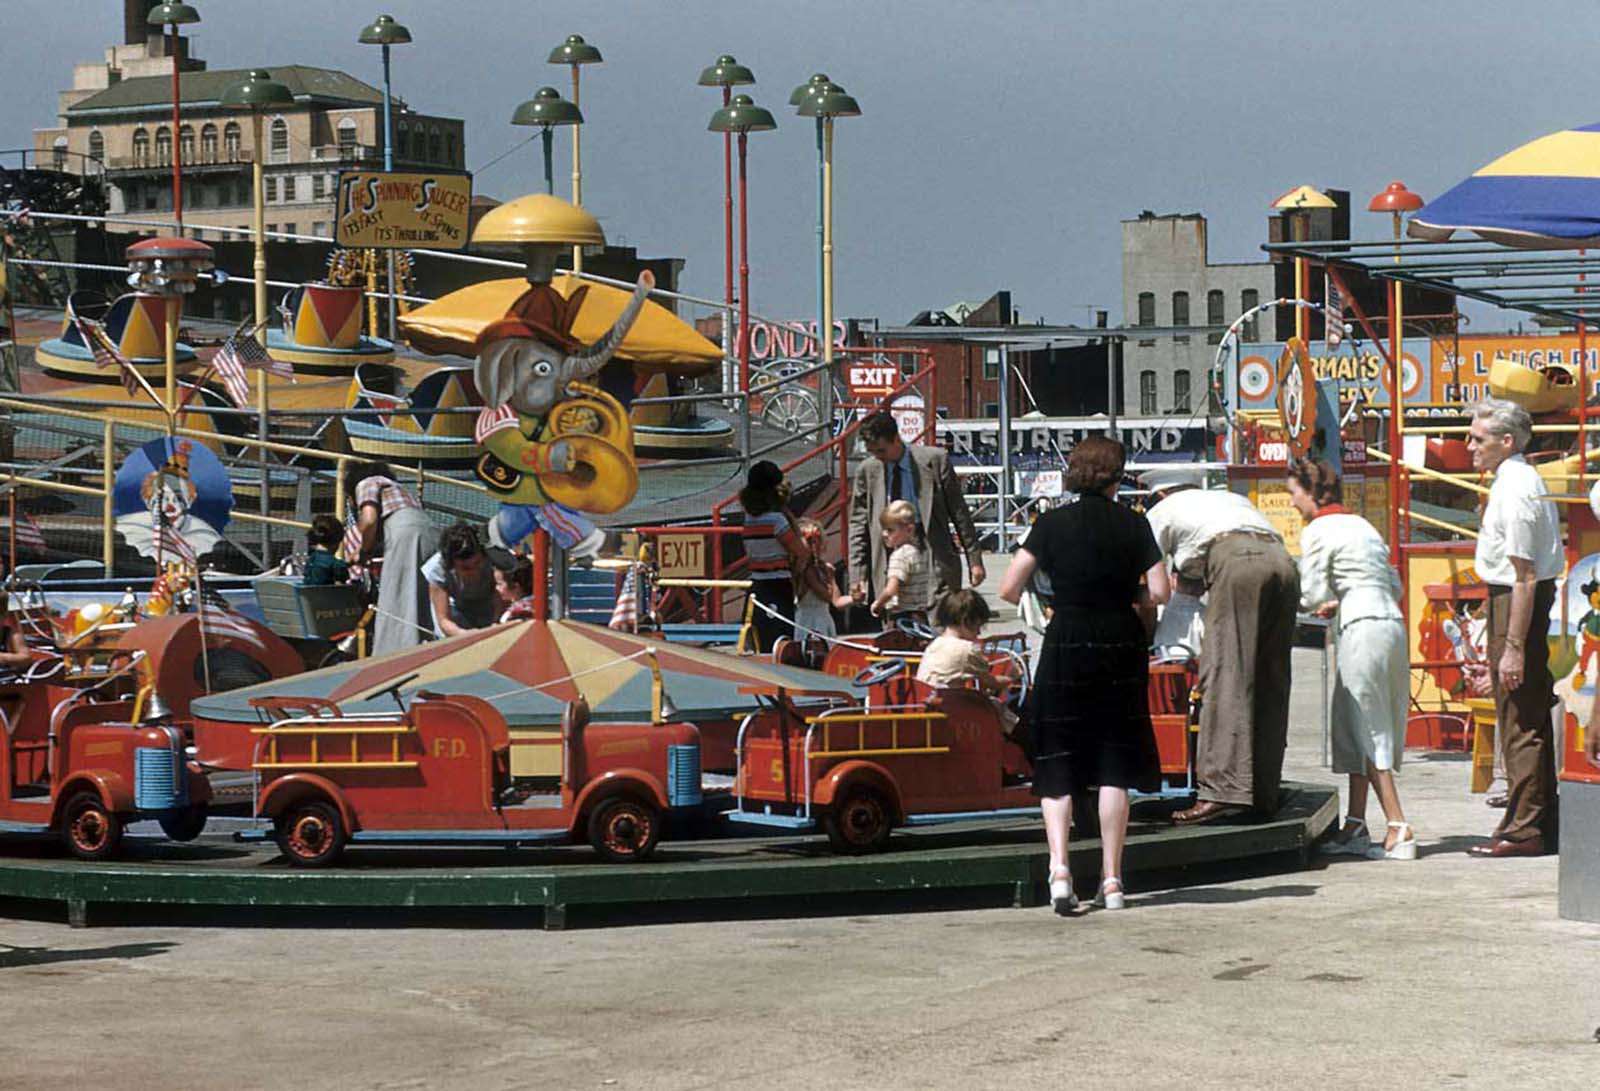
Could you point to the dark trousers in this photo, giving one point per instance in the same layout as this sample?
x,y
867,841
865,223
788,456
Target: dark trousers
x,y
1253,592
1527,744
776,595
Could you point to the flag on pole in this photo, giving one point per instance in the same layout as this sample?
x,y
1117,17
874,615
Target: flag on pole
x,y
1333,316
29,534
169,541
107,356
239,354
625,615
221,618
350,547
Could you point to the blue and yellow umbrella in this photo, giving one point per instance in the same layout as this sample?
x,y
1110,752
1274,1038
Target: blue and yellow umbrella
x,y
1544,194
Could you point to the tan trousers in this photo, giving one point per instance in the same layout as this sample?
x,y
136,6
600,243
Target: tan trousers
x,y
1526,742
1253,592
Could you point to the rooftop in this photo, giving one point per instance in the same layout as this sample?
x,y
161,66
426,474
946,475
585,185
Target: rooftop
x,y
206,87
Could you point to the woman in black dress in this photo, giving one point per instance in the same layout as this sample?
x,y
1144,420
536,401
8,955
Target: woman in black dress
x,y
1089,709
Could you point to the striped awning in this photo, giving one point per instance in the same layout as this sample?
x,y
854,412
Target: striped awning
x,y
1545,193
529,670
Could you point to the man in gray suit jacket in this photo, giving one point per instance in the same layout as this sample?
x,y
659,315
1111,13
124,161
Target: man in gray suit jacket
x,y
924,477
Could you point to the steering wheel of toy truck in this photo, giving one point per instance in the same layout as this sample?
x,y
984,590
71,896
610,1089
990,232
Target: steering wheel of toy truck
x,y
916,627
878,672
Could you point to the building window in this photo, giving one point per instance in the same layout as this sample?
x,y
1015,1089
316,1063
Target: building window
x,y
1216,305
291,228
270,229
319,186
347,138
241,193
991,410
163,147
1180,308
1249,299
208,144
97,150
433,145
58,153
402,142
150,198
270,187
1147,393
141,148
320,228
450,149
186,143
288,188
279,140
991,364
1147,308
230,141
1180,392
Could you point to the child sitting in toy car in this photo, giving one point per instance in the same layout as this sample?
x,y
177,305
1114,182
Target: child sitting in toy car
x,y
953,657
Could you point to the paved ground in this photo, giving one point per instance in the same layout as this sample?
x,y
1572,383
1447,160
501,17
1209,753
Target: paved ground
x,y
1446,972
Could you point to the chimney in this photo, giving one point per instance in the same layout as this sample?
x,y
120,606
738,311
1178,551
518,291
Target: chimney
x,y
135,20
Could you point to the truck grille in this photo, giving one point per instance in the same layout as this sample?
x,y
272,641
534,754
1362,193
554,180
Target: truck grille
x,y
157,779
683,775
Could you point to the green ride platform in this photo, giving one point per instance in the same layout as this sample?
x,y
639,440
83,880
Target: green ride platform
x,y
711,878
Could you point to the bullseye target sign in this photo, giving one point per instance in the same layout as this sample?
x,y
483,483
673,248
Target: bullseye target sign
x,y
1297,397
1411,376
1255,378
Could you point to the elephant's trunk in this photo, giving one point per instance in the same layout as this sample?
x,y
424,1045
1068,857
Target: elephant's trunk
x,y
587,361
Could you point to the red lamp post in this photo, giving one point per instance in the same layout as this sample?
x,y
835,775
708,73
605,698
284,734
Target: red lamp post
x,y
1396,200
174,15
742,117
727,74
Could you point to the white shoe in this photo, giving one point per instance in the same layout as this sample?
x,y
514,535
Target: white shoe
x,y
1110,896
1358,843
1062,899
1404,849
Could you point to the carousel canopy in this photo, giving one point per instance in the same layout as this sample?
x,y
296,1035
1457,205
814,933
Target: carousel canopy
x,y
658,341
529,670
1544,194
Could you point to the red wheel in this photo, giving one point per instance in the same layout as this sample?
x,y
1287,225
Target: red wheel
x,y
90,831
310,834
859,821
623,829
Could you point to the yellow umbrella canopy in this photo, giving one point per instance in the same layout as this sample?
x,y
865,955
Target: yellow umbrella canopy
x,y
660,341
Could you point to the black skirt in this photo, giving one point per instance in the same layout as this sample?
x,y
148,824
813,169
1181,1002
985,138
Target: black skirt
x,y
1089,712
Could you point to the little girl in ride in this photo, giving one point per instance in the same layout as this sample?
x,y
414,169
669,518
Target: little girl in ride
x,y
908,590
953,656
817,591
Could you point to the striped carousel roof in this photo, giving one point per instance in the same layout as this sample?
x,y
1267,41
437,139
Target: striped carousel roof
x,y
1544,193
529,670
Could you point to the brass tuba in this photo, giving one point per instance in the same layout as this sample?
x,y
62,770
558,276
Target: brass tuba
x,y
596,429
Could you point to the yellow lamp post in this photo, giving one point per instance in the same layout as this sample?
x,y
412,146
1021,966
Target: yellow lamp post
x,y
575,53
1298,203
827,101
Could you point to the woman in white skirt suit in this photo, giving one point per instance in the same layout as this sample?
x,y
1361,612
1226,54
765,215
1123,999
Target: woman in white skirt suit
x,y
1345,570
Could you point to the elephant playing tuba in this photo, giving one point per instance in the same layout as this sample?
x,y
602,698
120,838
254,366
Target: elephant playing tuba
x,y
555,446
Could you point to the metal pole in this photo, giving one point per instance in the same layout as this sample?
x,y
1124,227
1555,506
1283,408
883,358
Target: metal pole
x,y
1302,229
744,299
263,404
170,404
548,137
1004,498
824,326
177,149
108,481
577,171
1113,369
388,165
1396,396
541,575
826,330
727,257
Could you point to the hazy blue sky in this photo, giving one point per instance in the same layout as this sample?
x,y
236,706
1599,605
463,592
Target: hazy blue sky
x,y
1001,142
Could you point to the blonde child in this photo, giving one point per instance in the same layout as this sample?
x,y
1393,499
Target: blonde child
x,y
817,588
909,586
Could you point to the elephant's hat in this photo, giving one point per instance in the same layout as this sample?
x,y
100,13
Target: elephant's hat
x,y
539,314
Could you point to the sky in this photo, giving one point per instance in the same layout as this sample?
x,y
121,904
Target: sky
x,y
1000,142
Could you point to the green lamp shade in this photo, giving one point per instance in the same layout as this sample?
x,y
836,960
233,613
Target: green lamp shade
x,y
829,100
800,94
384,31
727,72
742,115
575,51
170,14
257,91
547,107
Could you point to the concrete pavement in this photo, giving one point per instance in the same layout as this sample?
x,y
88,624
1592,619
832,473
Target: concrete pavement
x,y
1446,972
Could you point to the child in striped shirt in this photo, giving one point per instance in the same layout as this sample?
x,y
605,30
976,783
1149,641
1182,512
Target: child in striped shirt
x,y
909,586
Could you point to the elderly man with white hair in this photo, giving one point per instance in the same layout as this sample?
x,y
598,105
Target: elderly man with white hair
x,y
1219,541
1519,557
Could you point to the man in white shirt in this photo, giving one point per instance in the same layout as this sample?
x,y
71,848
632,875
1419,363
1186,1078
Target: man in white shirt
x,y
1218,540
1519,557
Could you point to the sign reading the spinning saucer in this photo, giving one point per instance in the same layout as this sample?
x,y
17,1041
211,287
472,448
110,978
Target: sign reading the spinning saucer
x,y
398,210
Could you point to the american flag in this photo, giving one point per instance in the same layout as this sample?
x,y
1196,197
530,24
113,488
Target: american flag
x,y
106,356
350,547
1333,315
625,615
29,534
170,543
239,354
223,620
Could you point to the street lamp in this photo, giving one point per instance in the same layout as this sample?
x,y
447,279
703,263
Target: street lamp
x,y
727,74
1396,200
575,53
825,101
175,15
384,31
547,109
796,97
743,117
168,267
1298,203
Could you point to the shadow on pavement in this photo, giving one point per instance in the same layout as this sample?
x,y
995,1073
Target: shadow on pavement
x,y
12,956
